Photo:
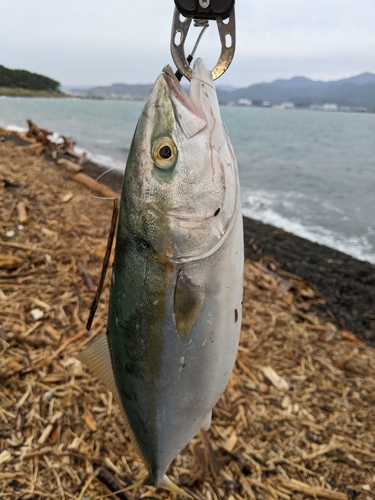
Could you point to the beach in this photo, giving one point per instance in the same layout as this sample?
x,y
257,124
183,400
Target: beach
x,y
296,420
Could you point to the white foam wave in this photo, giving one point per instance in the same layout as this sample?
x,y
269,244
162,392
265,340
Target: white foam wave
x,y
258,205
16,128
103,160
100,159
56,138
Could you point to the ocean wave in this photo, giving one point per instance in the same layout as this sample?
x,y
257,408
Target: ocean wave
x,y
16,128
100,159
104,141
258,205
307,215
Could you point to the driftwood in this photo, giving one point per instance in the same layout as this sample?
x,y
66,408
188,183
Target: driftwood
x,y
95,186
42,137
70,166
35,149
39,134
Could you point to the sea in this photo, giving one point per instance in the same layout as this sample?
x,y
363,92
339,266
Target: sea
x,y
309,172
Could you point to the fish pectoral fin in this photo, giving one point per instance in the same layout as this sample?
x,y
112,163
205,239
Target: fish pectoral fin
x,y
188,300
98,358
168,485
207,421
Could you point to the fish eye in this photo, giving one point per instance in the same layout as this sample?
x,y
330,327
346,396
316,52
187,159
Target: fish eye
x,y
164,153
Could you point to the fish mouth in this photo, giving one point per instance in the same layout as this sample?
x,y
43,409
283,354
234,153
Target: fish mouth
x,y
192,112
177,92
213,214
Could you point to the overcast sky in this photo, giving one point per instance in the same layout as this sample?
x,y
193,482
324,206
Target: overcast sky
x,y
96,42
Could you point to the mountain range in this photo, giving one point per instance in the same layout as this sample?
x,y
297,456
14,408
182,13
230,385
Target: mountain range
x,y
357,91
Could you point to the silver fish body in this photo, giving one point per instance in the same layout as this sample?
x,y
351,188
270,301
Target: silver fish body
x,y
175,305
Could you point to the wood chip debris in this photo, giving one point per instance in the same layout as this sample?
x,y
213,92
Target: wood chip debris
x,y
296,421
21,210
275,379
67,197
10,261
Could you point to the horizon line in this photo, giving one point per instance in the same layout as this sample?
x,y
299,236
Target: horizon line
x,y
218,84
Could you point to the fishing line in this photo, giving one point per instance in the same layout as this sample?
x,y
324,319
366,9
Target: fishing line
x,y
108,170
204,24
102,175
198,23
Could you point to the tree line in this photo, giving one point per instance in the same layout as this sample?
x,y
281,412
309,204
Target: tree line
x,y
19,78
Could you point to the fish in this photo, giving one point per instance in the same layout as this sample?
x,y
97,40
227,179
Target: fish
x,y
176,293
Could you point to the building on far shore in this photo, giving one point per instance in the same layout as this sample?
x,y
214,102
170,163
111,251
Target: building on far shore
x,y
330,107
284,105
244,102
325,107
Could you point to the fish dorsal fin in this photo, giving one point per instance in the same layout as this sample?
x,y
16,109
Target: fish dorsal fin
x,y
98,358
188,300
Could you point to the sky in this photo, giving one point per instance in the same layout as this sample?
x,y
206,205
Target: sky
x,y
96,42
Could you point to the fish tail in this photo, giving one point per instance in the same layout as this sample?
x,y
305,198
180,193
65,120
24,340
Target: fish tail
x,y
168,485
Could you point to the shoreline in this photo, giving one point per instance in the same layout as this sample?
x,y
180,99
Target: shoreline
x,y
17,92
345,285
340,220
6,92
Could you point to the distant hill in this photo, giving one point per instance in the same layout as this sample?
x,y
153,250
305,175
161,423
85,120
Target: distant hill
x,y
22,79
121,89
357,91
226,88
